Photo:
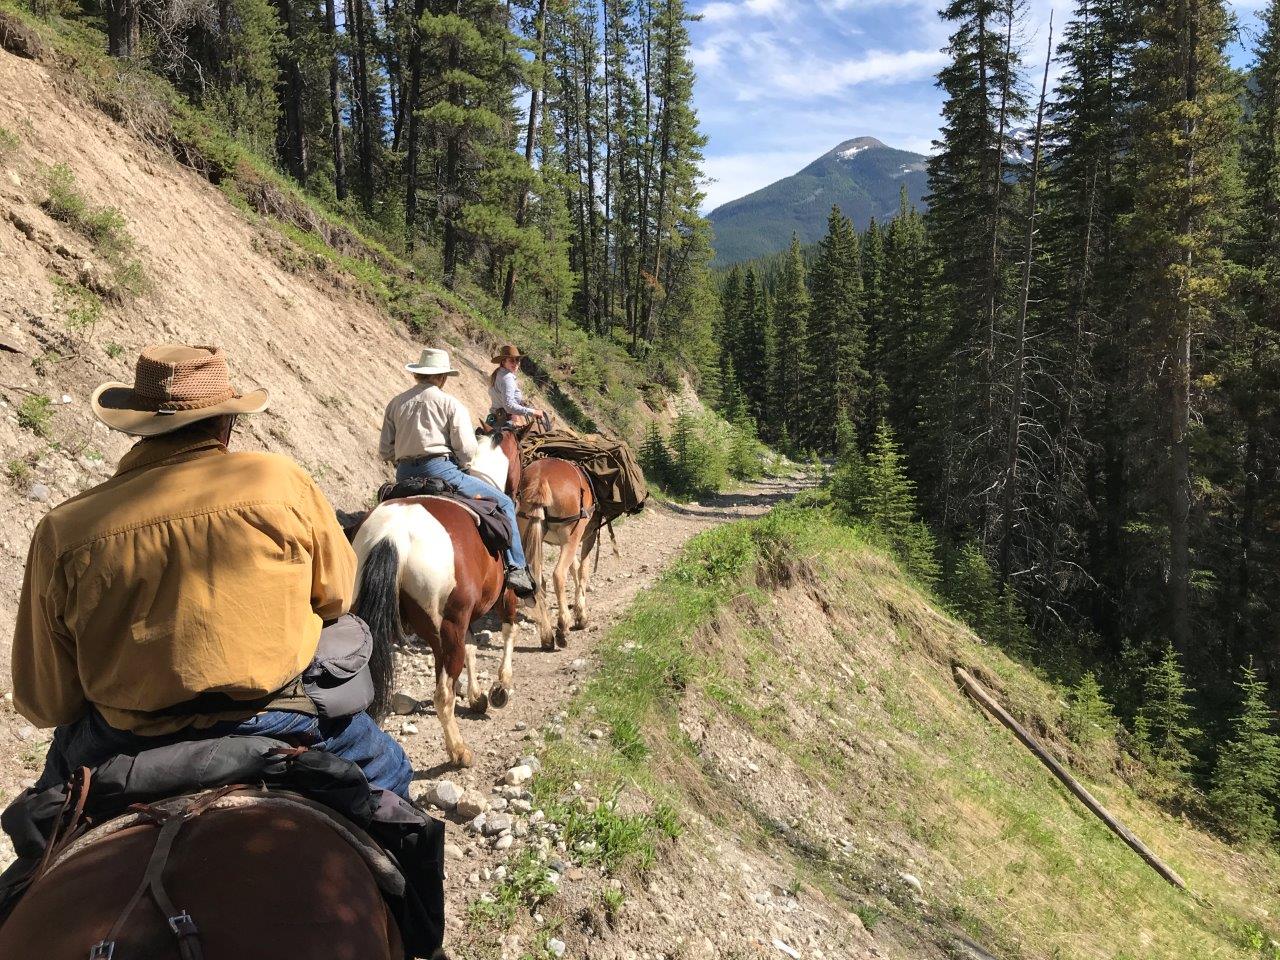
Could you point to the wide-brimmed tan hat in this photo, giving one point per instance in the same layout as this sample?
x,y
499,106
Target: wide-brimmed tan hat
x,y
173,386
507,352
432,363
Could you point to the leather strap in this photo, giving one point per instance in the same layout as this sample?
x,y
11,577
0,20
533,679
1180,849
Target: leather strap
x,y
180,922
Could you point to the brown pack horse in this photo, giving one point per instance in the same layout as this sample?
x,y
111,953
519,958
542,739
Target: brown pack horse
x,y
559,508
422,563
257,883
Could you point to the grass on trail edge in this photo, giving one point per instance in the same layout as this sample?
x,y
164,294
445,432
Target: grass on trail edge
x,y
1008,857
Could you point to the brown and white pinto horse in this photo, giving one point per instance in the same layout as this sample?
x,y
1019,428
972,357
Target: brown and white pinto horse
x,y
559,508
422,564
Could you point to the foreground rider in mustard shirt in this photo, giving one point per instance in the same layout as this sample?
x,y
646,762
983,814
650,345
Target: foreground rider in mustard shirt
x,y
183,597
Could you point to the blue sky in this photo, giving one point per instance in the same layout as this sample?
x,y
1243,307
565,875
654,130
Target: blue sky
x,y
780,82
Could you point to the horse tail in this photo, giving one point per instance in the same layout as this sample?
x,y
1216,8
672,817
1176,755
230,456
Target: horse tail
x,y
378,605
537,500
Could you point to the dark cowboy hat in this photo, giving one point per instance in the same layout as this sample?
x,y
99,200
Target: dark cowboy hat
x,y
507,352
173,386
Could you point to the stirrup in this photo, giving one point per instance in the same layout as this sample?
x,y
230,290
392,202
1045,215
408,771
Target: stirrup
x,y
103,950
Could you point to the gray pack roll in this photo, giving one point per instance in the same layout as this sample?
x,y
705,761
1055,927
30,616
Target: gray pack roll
x,y
338,680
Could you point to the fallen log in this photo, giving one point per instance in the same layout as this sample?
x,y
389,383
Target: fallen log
x,y
980,694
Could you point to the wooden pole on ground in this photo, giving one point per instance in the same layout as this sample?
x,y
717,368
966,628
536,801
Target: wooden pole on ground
x,y
979,693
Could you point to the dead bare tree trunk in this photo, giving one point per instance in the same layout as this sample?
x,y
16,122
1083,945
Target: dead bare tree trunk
x,y
1009,495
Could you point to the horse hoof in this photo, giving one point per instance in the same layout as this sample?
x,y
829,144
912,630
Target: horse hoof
x,y
562,638
498,696
481,703
580,624
464,758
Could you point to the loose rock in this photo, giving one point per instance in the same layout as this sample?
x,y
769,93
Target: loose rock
x,y
472,803
518,775
556,947
446,794
496,823
912,881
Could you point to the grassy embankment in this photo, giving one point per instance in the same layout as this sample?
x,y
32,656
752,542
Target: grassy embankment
x,y
806,640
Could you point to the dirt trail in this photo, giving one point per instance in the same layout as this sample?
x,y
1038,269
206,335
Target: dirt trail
x,y
647,543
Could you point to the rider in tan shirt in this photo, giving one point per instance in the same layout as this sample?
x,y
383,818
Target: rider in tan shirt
x,y
183,597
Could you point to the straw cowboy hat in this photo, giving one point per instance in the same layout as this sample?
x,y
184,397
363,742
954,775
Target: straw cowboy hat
x,y
173,386
507,352
432,363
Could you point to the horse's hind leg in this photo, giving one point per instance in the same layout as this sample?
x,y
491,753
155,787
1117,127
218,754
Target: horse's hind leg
x,y
448,666
559,576
500,692
579,589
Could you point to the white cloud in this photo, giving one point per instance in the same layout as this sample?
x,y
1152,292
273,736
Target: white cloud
x,y
738,174
724,10
815,78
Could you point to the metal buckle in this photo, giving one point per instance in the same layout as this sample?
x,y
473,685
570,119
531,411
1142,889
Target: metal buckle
x,y
103,950
182,925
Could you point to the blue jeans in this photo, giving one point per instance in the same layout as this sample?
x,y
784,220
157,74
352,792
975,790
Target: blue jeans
x,y
442,468
90,741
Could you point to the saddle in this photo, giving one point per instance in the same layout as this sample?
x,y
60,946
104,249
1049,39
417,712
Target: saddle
x,y
169,785
491,522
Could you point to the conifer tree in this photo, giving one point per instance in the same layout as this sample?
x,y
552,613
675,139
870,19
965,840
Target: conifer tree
x,y
1180,168
906,342
1252,374
971,217
1089,717
655,457
1163,724
884,498
793,371
1247,773
837,332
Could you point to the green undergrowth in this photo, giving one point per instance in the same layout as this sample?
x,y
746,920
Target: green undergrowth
x,y
804,634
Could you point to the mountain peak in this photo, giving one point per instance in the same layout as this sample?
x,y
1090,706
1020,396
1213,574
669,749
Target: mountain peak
x,y
863,177
851,148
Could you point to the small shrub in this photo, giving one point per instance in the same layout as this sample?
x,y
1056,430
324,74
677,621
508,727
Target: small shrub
x,y
1248,769
65,202
35,414
612,900
17,471
114,350
527,884
1163,725
1089,717
105,227
8,141
80,306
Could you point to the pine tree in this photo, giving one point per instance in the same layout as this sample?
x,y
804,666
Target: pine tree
x,y
656,459
837,332
971,216
793,371
886,501
1247,773
906,343
971,590
479,62
1163,726
1180,168
1089,717
1252,373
